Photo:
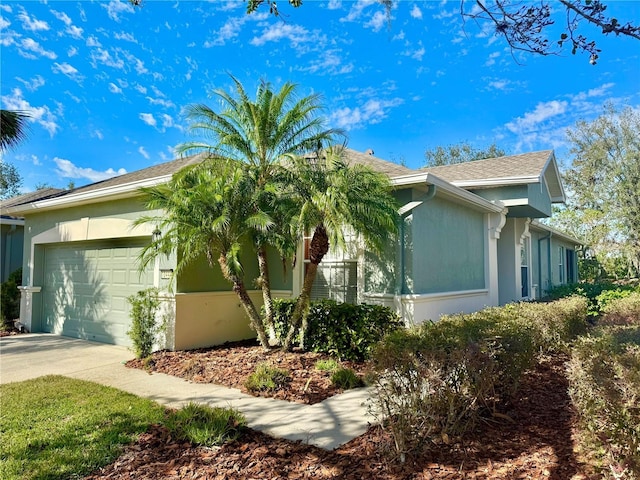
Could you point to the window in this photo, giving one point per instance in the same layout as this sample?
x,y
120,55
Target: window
x,y
561,272
571,269
337,276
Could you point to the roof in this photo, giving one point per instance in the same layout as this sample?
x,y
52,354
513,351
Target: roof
x,y
30,197
555,232
509,170
390,169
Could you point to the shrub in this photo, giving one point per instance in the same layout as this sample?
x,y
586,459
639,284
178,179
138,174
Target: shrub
x,y
341,329
346,379
604,377
621,309
592,292
204,425
439,379
327,365
266,378
10,299
145,306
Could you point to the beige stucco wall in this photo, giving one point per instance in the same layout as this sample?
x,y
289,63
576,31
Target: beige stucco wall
x,y
212,318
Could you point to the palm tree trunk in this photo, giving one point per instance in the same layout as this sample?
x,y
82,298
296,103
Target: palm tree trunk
x,y
241,291
265,285
317,250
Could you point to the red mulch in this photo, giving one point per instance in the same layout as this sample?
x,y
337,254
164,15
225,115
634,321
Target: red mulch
x,y
539,444
232,363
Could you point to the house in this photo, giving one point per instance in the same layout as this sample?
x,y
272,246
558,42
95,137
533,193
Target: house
x,y
470,237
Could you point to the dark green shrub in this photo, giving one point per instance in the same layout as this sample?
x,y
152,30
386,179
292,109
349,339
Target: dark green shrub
x,y
346,379
10,299
343,330
145,327
266,378
204,425
591,291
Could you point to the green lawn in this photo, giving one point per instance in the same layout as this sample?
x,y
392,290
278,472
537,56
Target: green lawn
x,y
55,427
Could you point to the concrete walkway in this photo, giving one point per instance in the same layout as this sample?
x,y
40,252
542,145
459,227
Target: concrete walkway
x,y
326,425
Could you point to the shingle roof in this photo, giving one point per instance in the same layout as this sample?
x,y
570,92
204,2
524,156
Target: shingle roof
x,y
513,166
31,197
388,168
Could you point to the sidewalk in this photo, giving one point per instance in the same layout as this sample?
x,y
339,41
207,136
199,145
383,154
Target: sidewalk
x,y
327,425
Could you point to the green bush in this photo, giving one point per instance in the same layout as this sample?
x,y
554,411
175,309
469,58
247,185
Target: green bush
x,y
327,365
10,299
346,379
604,386
346,331
204,425
621,308
596,293
266,378
145,328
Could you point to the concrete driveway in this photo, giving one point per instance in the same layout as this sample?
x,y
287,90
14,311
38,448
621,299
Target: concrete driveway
x,y
33,355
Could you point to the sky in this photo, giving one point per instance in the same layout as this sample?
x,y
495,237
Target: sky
x,y
106,84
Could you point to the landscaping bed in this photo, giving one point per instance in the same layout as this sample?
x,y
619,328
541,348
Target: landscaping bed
x,y
540,443
230,365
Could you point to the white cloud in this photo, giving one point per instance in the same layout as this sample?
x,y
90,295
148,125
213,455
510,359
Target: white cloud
x,y
125,36
161,101
104,57
492,59
149,119
279,31
378,21
40,115
531,120
63,17
97,134
142,89
143,152
6,8
75,32
167,120
330,63
334,4
31,23
113,88
30,45
93,41
67,169
4,23
416,12
33,84
115,8
373,111
73,51
67,70
357,9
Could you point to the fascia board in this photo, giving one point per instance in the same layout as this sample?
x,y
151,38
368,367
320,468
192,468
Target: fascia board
x,y
12,221
94,196
449,190
496,182
562,198
556,233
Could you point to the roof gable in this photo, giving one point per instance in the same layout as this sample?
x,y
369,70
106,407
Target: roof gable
x,y
509,170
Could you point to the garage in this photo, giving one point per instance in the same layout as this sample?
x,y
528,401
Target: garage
x,y
86,285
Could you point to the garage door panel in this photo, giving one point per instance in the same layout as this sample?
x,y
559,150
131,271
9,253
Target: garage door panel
x,y
86,288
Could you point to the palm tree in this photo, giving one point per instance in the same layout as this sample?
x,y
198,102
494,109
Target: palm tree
x,y
261,133
333,196
13,128
207,210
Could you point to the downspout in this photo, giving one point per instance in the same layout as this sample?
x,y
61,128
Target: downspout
x,y
404,212
548,238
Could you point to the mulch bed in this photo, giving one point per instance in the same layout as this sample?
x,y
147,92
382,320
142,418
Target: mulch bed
x,y
539,444
230,365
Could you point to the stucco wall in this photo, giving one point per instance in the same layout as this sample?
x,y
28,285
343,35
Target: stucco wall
x,y
447,248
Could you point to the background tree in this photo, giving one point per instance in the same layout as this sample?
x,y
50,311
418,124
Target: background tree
x,y
10,180
460,153
603,207
332,197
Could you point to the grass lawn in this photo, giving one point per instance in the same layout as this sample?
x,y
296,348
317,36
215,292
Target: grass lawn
x,y
56,427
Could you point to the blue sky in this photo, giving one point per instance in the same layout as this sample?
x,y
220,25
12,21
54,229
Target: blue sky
x,y
105,84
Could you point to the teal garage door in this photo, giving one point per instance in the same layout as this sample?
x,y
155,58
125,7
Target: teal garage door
x,y
86,286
